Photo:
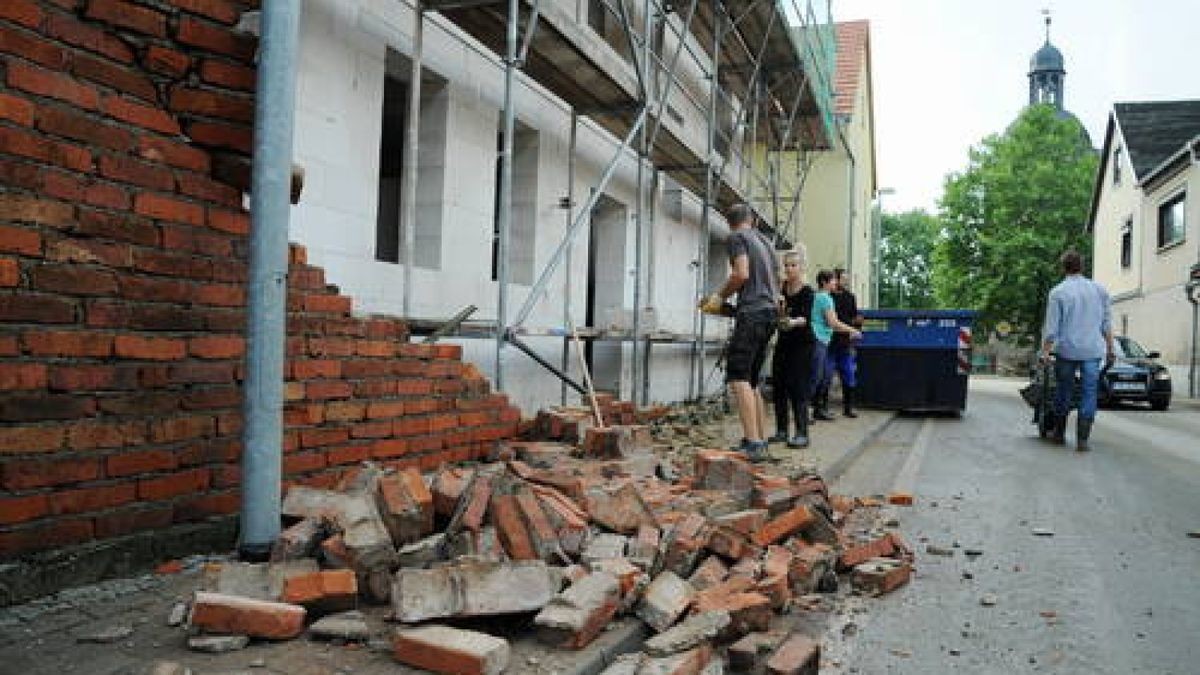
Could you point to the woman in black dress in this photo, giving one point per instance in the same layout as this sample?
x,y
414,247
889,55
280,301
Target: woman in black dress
x,y
791,365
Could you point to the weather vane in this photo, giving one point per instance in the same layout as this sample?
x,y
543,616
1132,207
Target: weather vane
x,y
1046,13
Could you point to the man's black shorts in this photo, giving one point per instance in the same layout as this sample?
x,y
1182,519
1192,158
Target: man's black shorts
x,y
752,331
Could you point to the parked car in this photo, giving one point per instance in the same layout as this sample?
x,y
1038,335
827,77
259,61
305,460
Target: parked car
x,y
1135,376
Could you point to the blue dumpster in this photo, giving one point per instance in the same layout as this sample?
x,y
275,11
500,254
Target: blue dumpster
x,y
915,360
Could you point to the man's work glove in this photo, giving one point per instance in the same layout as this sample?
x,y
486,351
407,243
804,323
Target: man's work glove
x,y
712,304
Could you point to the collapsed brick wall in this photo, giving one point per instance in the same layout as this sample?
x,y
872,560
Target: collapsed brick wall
x,y
124,134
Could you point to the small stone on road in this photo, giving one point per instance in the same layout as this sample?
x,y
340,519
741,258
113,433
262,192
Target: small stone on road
x,y
989,600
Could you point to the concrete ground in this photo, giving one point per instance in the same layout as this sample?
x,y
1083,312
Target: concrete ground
x,y
43,637
1114,589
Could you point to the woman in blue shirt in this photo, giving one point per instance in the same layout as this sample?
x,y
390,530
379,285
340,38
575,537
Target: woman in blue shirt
x,y
824,323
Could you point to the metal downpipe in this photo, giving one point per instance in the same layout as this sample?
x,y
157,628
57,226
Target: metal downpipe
x,y
266,332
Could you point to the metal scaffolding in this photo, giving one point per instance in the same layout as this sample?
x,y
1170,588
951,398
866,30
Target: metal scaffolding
x,y
768,68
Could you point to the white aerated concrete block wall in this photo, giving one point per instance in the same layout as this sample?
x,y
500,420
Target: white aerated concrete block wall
x,y
343,61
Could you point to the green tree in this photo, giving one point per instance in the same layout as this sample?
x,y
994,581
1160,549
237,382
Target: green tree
x,y
1021,202
906,244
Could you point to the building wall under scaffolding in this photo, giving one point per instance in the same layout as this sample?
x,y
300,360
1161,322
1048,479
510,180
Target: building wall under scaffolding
x,y
338,134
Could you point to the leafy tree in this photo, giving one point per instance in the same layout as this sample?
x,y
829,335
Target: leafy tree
x,y
1021,202
906,245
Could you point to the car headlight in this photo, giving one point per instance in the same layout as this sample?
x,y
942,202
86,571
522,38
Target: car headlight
x,y
1162,375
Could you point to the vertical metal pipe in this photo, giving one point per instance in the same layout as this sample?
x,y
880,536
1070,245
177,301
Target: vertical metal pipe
x,y
640,227
262,403
650,260
566,348
506,159
709,201
411,140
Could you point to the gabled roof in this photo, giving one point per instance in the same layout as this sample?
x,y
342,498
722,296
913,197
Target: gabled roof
x,y
1155,130
851,51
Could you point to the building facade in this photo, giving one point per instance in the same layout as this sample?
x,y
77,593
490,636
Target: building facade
x,y
1143,216
351,110
836,214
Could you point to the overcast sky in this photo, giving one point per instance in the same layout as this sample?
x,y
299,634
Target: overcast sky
x,y
949,72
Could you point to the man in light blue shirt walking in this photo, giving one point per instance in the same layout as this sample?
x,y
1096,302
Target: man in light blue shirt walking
x,y
1078,331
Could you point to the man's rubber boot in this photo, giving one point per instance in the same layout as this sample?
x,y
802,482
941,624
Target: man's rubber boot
x,y
1083,430
1058,430
848,402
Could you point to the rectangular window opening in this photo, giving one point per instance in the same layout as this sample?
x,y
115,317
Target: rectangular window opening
x,y
522,234
431,160
1127,244
1116,170
391,170
1171,225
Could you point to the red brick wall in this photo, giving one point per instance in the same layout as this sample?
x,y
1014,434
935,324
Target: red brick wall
x,y
122,289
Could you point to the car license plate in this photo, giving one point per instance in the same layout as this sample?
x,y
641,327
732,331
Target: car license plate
x,y
1128,386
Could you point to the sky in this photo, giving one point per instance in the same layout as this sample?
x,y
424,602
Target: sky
x,y
946,73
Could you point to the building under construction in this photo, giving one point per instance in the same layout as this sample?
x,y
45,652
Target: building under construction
x,y
564,164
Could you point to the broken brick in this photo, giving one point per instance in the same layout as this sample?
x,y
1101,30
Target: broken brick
x,y
748,611
510,526
453,651
665,600
879,576
620,509
709,573
783,526
724,470
322,592
448,486
798,655
219,613
750,653
472,588
861,551
405,505
573,618
541,533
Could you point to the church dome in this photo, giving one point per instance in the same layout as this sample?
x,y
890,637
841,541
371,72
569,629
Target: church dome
x,y
1048,58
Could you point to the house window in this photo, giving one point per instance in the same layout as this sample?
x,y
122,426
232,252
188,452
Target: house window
x,y
1170,221
522,230
1116,169
1127,244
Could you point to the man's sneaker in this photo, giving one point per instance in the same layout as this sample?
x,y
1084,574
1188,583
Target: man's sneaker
x,y
779,437
741,445
755,451
798,442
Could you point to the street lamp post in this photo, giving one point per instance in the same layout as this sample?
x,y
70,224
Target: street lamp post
x,y
875,239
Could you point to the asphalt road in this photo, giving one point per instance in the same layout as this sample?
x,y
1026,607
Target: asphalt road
x,y
1115,588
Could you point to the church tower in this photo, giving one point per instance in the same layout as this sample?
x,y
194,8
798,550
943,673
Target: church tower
x,y
1046,73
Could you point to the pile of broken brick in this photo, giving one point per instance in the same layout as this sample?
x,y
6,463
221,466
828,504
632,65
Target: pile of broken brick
x,y
565,536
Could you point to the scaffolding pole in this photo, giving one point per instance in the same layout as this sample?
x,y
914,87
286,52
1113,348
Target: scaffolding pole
x,y
411,161
570,209
505,224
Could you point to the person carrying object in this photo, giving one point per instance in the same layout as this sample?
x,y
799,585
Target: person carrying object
x,y
1078,332
754,278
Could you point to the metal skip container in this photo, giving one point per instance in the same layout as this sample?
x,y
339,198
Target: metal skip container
x,y
916,360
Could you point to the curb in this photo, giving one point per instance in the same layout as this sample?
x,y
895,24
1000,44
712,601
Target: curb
x,y
838,467
601,653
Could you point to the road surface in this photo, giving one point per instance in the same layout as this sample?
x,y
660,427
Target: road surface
x,y
1086,556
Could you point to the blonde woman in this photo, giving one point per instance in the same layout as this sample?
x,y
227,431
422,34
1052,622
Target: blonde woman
x,y
791,365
